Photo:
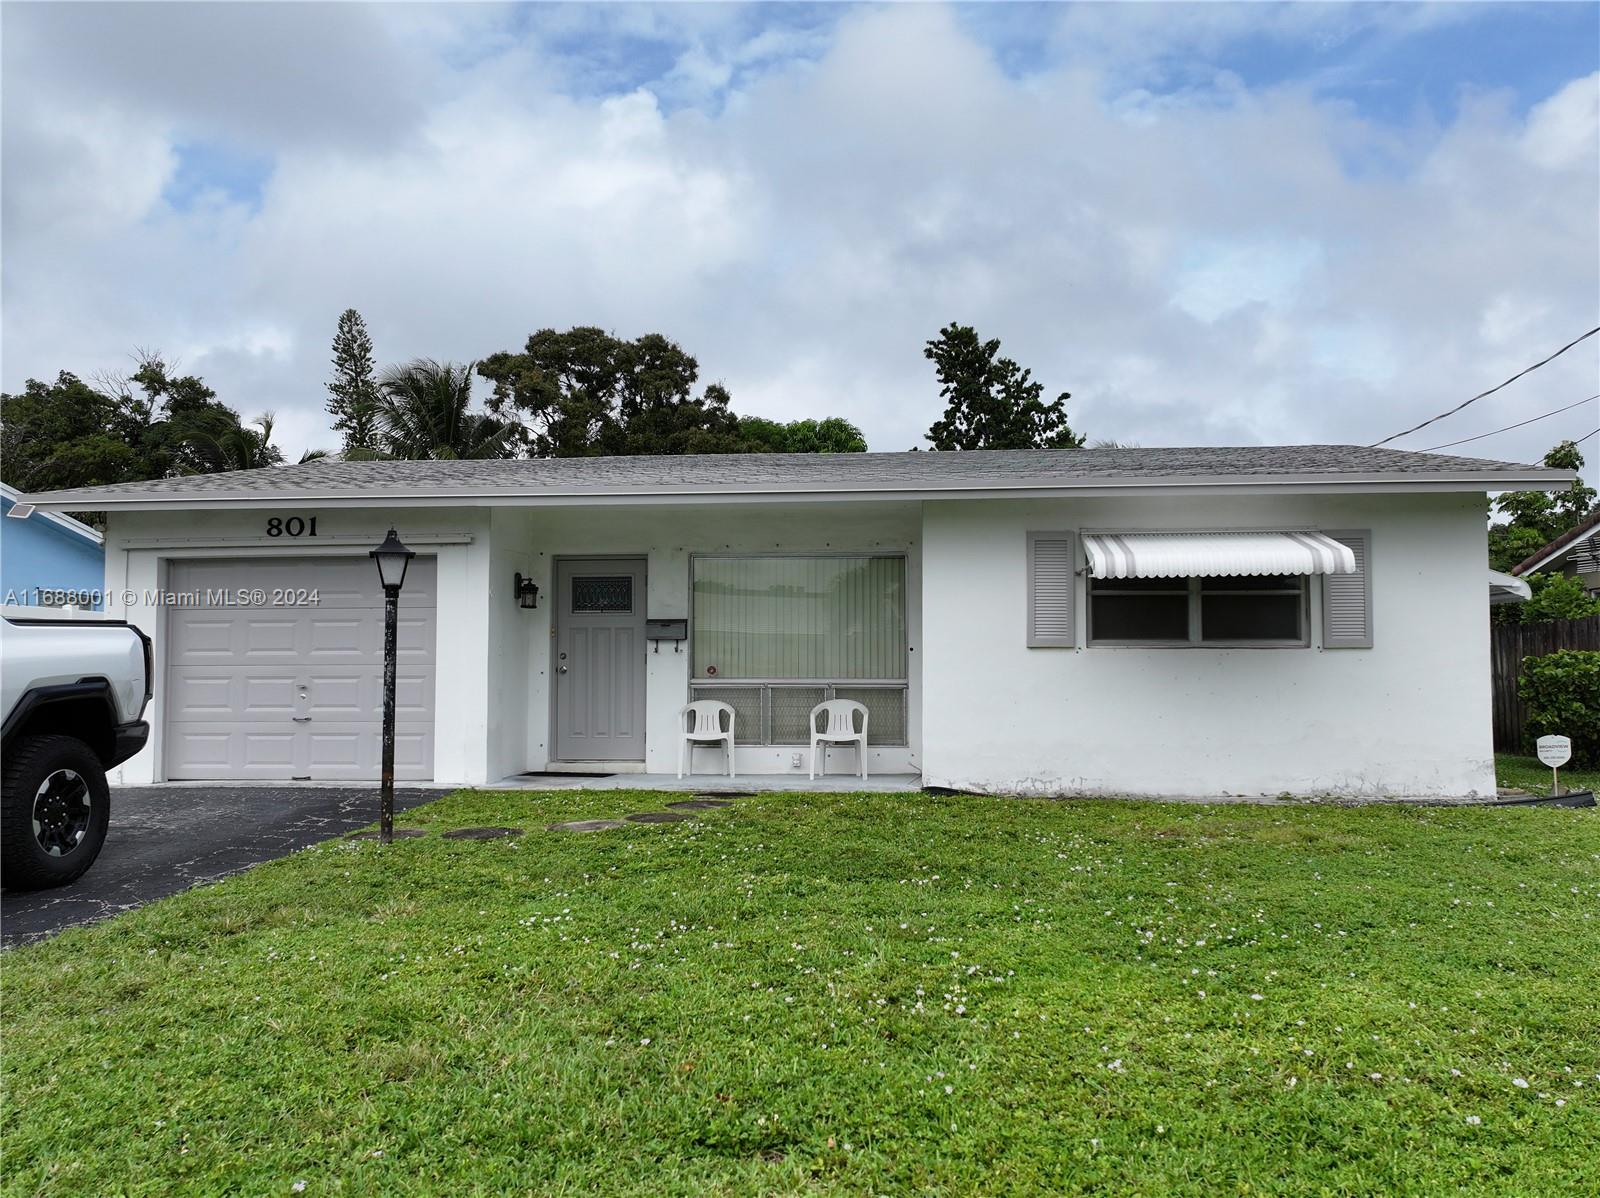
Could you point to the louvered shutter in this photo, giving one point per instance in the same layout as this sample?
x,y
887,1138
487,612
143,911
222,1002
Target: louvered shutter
x,y
1051,582
1347,598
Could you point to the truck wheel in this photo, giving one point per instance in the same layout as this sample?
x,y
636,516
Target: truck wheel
x,y
54,811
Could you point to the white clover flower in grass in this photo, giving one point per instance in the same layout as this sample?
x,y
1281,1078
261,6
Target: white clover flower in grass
x,y
1520,1083
1474,1120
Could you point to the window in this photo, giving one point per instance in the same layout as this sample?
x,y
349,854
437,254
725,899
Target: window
x,y
1244,610
776,635
594,594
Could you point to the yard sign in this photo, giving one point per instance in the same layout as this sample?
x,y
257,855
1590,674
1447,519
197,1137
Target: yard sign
x,y
1554,751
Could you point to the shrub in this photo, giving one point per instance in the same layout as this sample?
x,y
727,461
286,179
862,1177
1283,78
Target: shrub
x,y
1562,692
1555,597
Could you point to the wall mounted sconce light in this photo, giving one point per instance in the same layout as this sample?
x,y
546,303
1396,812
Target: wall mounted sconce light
x,y
527,593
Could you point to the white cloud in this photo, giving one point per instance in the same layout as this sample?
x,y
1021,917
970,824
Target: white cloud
x,y
1218,265
1564,131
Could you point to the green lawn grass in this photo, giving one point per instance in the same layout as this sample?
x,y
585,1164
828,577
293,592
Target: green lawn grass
x,y
1533,775
851,994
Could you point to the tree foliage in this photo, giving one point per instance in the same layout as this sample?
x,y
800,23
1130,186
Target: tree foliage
x,y
587,392
1555,597
150,424
425,412
990,401
833,435
353,393
1535,518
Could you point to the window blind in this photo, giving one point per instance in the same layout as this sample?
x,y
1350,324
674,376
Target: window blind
x,y
831,618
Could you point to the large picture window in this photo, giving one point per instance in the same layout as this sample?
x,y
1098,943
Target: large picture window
x,y
1242,610
775,635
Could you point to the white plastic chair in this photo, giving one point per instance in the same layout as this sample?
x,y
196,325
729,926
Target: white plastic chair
x,y
702,725
839,728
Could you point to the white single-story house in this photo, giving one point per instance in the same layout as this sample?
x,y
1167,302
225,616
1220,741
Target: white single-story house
x,y
1575,553
1303,619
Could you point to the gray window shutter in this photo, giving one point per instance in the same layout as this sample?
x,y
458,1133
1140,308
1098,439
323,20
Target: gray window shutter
x,y
1347,598
1051,583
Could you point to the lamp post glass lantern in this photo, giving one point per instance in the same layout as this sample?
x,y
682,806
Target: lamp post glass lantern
x,y
392,559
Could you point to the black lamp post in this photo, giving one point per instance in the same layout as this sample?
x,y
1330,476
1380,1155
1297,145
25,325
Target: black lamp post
x,y
392,558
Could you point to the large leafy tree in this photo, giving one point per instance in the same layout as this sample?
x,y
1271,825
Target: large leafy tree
x,y
586,391
833,435
426,412
150,424
353,394
990,401
1535,518
63,434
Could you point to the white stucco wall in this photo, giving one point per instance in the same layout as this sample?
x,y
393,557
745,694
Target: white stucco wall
x,y
1410,716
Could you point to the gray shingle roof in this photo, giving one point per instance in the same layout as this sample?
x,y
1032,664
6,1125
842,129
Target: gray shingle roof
x,y
742,474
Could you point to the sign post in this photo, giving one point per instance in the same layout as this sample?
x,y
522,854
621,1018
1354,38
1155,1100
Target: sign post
x,y
1554,751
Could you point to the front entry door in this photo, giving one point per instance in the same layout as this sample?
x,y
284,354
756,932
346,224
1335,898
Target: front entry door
x,y
599,660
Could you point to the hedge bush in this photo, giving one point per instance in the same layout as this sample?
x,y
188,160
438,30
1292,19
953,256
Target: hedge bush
x,y
1562,693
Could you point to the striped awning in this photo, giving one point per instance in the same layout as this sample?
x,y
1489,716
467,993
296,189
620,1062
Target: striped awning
x,y
1214,554
1508,588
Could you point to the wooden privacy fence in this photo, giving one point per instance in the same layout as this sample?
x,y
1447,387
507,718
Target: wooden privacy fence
x,y
1508,645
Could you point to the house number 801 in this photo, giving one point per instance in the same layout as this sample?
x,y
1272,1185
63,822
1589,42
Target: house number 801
x,y
294,526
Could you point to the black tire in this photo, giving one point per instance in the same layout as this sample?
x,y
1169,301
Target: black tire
x,y
55,808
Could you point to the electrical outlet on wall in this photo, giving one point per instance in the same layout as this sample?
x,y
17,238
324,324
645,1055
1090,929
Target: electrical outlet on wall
x,y
794,761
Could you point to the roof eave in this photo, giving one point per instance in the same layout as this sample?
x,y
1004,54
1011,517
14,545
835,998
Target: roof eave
x,y
1559,547
1476,481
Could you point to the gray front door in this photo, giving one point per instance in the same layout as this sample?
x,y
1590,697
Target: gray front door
x,y
599,666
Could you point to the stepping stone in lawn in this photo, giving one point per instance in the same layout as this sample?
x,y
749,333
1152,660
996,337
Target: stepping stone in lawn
x,y
699,804
658,817
399,834
481,833
588,825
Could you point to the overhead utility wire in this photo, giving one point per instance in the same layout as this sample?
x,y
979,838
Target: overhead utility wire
x,y
1490,391
1509,427
1585,437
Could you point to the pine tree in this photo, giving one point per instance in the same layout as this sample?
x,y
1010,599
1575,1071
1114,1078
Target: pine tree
x,y
353,396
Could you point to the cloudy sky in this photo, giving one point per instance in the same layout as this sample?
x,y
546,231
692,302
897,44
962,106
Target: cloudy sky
x,y
1213,224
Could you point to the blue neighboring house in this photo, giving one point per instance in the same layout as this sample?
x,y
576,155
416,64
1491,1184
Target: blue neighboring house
x,y
48,559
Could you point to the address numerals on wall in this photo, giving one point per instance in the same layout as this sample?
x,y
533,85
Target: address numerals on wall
x,y
292,526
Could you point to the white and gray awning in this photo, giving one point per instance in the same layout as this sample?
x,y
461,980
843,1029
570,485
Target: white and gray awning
x,y
1214,554
1508,588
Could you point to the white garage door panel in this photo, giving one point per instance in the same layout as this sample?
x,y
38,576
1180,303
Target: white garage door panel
x,y
295,691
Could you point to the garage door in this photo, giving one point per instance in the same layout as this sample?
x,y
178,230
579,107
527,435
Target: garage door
x,y
295,691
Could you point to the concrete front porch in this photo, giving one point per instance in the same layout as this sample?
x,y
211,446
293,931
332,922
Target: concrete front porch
x,y
715,783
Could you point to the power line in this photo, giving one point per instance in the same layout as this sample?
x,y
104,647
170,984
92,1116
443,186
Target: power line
x,y
1509,427
1490,391
1585,437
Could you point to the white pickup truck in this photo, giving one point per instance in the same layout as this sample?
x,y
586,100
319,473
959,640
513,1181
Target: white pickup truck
x,y
73,690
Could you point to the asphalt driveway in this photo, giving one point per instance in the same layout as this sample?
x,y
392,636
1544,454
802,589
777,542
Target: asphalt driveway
x,y
164,839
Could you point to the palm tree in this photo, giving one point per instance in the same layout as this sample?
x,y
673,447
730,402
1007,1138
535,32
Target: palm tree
x,y
425,412
216,445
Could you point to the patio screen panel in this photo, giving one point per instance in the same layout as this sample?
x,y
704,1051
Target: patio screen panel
x,y
799,618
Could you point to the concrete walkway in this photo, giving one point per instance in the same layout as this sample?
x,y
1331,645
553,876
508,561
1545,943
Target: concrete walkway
x,y
715,783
